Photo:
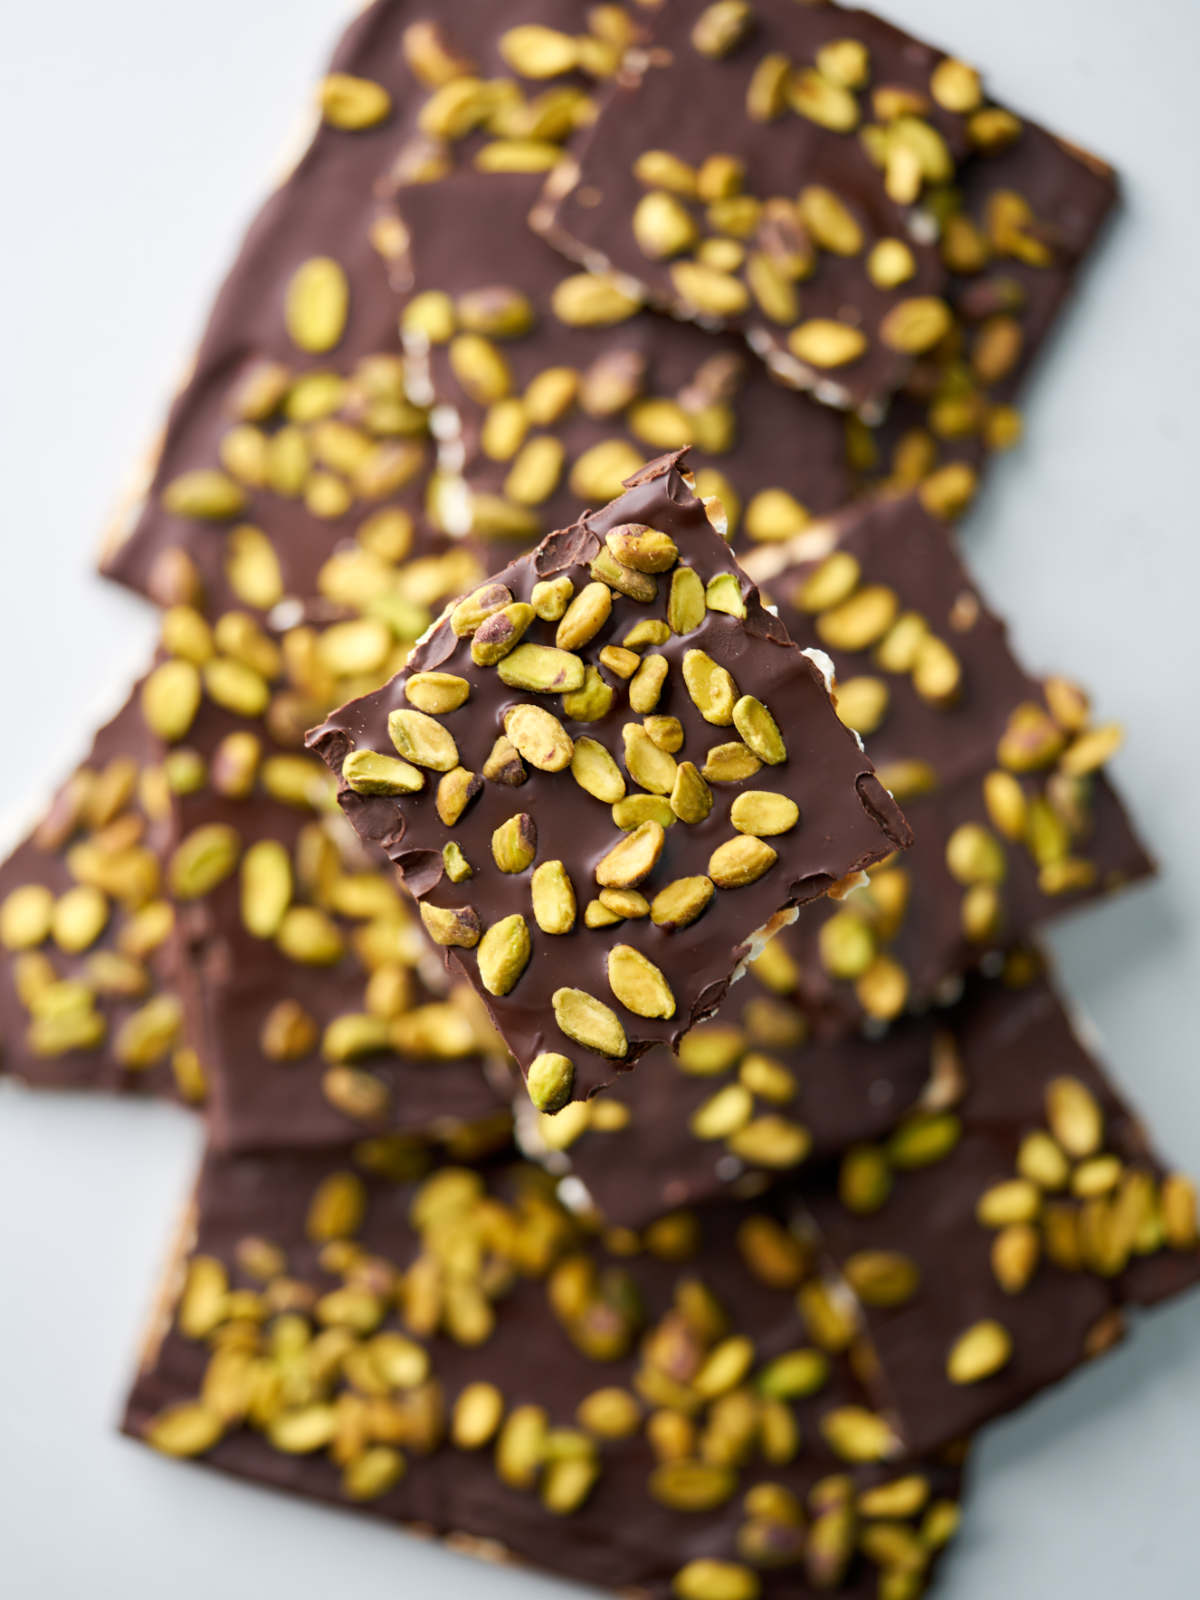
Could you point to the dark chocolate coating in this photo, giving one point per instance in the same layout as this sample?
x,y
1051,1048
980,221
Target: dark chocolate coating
x,y
847,819
42,858
693,106
848,1088
621,1538
467,234
1012,1044
261,1103
326,206
902,546
1071,194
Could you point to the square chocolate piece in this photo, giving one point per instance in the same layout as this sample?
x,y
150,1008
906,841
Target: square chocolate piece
x,y
774,167
766,1089
1002,773
1020,224
564,385
601,869
452,1350
993,1244
294,432
314,997
89,983
294,421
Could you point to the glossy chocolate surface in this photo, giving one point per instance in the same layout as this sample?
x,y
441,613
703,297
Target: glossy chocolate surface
x,y
846,819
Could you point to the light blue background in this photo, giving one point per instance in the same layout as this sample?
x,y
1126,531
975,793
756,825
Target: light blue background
x,y
136,137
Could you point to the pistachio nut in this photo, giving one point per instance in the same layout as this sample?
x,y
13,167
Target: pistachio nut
x,y
478,1413
170,699
436,693
591,300
475,609
635,585
539,738
979,1352
352,103
711,687
550,598
1075,1117
585,616
638,984
550,1080
763,813
638,808
503,764
204,493
740,861
457,926
707,291
589,1022
681,902
624,903
26,917
542,669
266,887
554,903
500,633
368,772
456,789
317,304
825,343
645,549
650,768
663,226
665,732
503,954
686,604
759,730
623,663
307,935
592,701
202,860
595,771
730,763
632,858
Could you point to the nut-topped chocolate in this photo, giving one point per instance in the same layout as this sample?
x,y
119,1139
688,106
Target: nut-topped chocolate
x,y
992,1244
294,432
296,437
313,994
669,1413
564,386
640,778
88,976
768,1087
193,896
1004,773
1015,230
769,169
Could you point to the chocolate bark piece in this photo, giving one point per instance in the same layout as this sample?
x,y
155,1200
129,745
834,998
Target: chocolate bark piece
x,y
1020,1224
317,1001
294,422
88,983
1003,774
752,1097
1017,230
771,170
564,386
457,1353
599,891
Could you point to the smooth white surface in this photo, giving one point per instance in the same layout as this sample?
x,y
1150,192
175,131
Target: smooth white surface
x,y
136,138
